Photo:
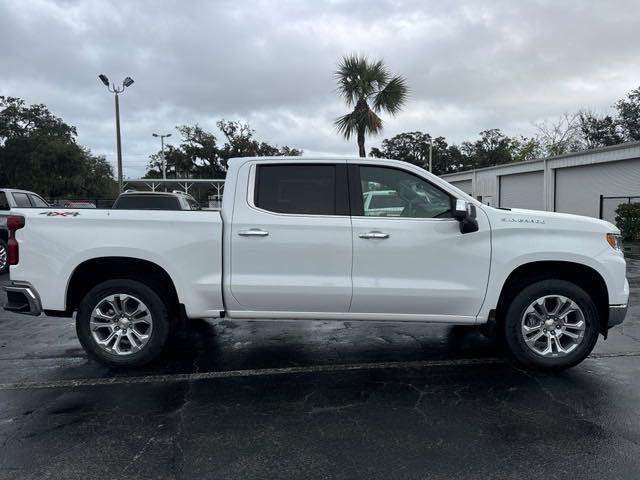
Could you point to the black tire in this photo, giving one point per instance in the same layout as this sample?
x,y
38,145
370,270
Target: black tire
x,y
4,266
513,325
156,307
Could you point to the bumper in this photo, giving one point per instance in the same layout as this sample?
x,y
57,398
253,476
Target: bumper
x,y
22,298
617,314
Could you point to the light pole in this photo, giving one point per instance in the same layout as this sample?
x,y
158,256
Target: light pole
x,y
430,155
164,159
127,82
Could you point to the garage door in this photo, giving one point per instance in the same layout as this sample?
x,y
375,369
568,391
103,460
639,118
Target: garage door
x,y
464,185
522,190
578,189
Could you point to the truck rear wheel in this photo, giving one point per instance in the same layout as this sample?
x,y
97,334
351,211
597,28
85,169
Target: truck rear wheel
x,y
122,323
551,324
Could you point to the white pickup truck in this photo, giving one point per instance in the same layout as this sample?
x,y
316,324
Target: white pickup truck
x,y
295,241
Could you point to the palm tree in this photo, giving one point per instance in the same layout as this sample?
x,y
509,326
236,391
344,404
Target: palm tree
x,y
360,83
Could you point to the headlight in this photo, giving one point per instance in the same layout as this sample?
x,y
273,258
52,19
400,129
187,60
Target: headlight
x,y
615,241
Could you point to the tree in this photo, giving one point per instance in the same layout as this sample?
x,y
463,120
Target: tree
x,y
413,147
495,148
369,89
200,156
599,131
19,120
525,148
38,152
560,136
629,115
240,143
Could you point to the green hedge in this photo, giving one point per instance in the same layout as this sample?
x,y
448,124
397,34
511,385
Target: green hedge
x,y
628,220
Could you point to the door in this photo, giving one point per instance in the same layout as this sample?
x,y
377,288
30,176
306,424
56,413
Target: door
x,y
291,238
522,190
410,257
578,189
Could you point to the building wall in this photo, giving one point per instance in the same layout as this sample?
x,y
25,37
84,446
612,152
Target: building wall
x,y
578,189
465,185
570,183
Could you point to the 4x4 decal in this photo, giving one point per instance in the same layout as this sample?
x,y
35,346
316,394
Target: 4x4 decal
x,y
60,214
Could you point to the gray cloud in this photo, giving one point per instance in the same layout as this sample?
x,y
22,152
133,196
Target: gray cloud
x,y
470,66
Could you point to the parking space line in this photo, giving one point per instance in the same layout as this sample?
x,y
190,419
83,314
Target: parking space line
x,y
187,377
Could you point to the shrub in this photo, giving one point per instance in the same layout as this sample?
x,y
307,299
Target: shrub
x,y
628,220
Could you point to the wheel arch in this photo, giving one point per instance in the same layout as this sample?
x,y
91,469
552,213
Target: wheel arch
x,y
581,275
91,272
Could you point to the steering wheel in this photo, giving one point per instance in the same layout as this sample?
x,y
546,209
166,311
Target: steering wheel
x,y
412,208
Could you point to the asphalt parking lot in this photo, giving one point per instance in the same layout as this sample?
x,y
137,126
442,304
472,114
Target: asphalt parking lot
x,y
316,400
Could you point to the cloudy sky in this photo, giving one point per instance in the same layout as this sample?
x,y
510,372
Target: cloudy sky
x,y
470,65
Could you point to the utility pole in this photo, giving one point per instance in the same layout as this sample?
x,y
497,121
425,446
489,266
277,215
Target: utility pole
x,y
118,142
430,155
127,82
164,158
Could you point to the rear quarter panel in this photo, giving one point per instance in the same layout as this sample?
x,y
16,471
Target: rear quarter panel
x,y
186,244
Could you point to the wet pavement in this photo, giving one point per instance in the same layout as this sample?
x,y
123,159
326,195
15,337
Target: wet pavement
x,y
241,400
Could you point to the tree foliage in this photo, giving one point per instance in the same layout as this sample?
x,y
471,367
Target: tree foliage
x,y
413,147
599,131
585,130
38,152
628,220
629,115
561,135
369,89
495,148
568,133
492,148
199,155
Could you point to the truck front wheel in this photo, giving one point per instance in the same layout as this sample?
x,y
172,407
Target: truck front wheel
x,y
122,323
551,324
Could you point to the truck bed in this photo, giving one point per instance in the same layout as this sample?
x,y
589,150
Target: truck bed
x,y
186,244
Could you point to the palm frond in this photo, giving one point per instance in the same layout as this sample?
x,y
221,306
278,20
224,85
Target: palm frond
x,y
347,76
392,97
347,125
374,123
358,78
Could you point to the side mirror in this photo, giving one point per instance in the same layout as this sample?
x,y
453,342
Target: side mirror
x,y
460,209
465,213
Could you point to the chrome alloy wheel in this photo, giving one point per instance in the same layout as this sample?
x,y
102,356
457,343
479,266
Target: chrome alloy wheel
x,y
3,258
121,324
553,326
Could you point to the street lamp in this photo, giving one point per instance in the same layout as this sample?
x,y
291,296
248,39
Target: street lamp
x,y
164,159
127,82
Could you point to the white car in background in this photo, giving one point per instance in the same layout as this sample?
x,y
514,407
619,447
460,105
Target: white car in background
x,y
382,203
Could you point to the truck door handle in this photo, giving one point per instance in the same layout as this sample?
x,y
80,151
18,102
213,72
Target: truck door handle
x,y
380,235
254,232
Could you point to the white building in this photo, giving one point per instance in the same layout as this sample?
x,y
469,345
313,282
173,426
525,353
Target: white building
x,y
592,183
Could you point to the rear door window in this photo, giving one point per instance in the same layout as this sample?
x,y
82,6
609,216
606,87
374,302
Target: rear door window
x,y
301,189
21,199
